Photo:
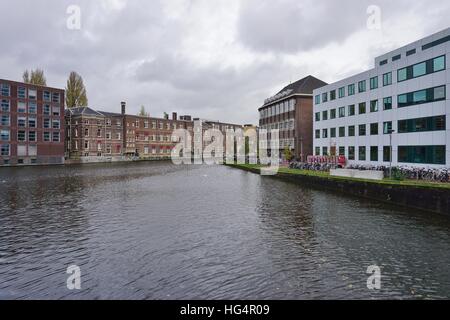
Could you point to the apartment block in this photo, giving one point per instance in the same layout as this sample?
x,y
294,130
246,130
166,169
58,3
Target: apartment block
x,y
32,124
398,111
290,111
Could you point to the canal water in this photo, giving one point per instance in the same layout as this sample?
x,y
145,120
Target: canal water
x,y
159,231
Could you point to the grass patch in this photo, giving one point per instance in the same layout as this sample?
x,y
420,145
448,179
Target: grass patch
x,y
326,175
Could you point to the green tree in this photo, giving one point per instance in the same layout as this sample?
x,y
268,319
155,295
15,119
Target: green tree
x,y
35,77
142,112
288,153
76,91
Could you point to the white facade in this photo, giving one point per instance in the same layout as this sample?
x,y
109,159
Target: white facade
x,y
418,142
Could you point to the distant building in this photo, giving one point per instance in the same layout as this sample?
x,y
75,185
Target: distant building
x,y
32,124
291,111
405,97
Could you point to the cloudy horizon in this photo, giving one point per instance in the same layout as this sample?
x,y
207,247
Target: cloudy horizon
x,y
216,60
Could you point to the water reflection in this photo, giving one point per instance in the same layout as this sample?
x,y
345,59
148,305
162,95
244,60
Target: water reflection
x,y
158,231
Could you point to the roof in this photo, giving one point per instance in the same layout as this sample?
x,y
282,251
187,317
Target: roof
x,y
305,85
85,111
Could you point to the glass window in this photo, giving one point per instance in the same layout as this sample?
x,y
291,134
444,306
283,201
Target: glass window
x,y
46,123
374,106
419,69
362,153
32,136
402,75
324,115
47,96
22,92
5,90
317,151
373,83
362,86
351,110
4,150
333,95
55,124
362,108
55,136
374,153
32,95
21,135
422,154
333,114
422,124
439,93
5,120
5,105
386,153
341,131
342,92
362,129
317,99
374,129
333,132
325,133
317,134
324,151
317,116
351,153
342,151
387,103
351,131
387,79
32,107
4,135
420,96
21,107
341,112
387,127
22,122
55,97
46,136
351,89
46,109
325,97
32,122
439,64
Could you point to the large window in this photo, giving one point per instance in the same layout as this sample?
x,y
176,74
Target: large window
x,y
362,129
325,133
351,89
373,83
351,153
341,131
351,110
5,120
387,103
5,105
341,92
4,150
325,97
351,131
421,154
421,69
5,90
317,99
4,135
341,112
386,153
333,132
374,106
333,114
362,108
373,129
387,127
317,116
387,79
325,115
374,153
362,86
362,153
22,92
333,95
422,96
422,124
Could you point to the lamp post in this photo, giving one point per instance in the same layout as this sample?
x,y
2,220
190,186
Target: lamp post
x,y
390,155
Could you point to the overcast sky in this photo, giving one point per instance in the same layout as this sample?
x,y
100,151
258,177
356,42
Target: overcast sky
x,y
212,59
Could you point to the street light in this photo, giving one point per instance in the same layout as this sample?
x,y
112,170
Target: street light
x,y
390,131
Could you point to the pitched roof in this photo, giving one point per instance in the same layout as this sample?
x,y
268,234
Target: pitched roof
x,y
305,85
85,111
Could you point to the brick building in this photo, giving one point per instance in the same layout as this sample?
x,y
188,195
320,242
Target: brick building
x,y
291,111
32,124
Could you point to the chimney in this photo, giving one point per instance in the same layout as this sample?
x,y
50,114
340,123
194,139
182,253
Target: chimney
x,y
174,116
123,104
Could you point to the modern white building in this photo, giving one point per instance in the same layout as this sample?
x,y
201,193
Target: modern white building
x,y
405,98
